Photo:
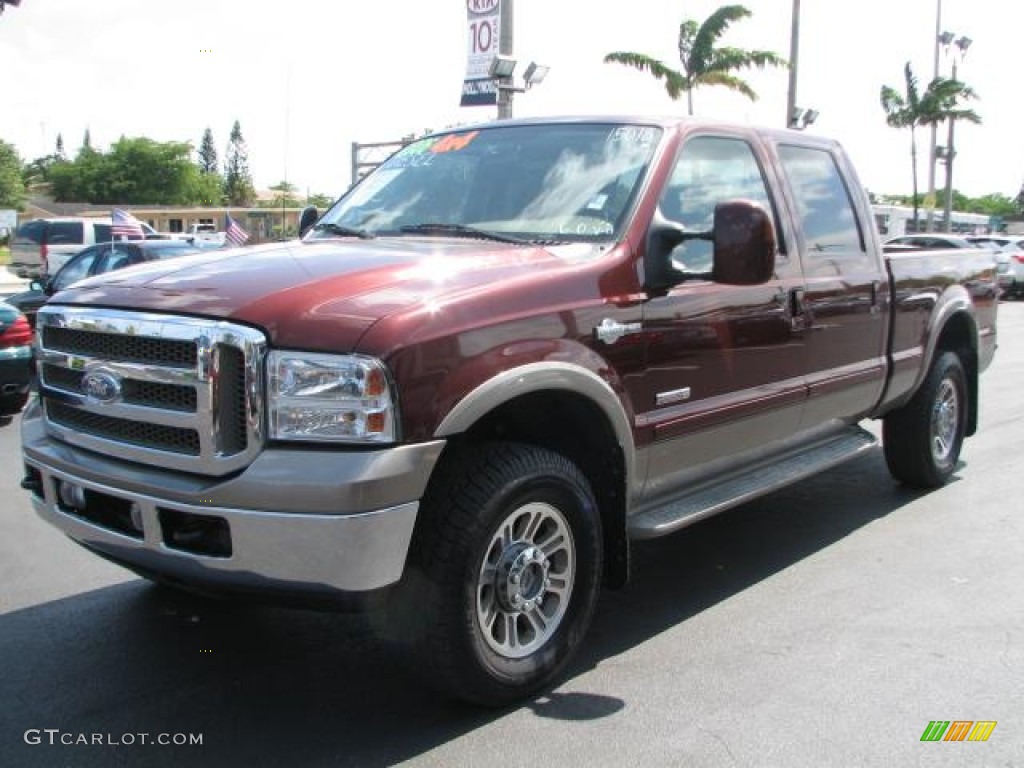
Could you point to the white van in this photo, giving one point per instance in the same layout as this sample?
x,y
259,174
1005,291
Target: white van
x,y
42,246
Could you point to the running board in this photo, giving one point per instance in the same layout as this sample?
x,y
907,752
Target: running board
x,y
741,486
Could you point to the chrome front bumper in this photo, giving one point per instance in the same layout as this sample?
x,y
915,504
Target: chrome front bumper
x,y
295,521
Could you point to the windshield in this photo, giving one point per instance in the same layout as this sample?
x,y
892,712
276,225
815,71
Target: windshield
x,y
539,183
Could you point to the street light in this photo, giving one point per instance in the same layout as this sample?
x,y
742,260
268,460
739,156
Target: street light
x,y
502,70
800,118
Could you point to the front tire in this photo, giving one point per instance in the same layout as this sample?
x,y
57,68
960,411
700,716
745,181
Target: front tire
x,y
503,576
922,439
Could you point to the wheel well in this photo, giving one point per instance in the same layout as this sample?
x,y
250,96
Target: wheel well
x,y
576,428
958,336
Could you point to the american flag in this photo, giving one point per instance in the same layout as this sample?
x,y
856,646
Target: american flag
x,y
234,232
123,224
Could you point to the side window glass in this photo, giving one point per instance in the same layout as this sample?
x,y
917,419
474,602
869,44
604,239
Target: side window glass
x,y
708,171
114,259
64,232
103,233
824,206
76,269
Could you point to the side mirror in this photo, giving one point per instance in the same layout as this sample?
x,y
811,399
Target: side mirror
x,y
744,244
37,285
307,219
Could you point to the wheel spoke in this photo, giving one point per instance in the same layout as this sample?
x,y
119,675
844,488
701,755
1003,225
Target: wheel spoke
x,y
552,544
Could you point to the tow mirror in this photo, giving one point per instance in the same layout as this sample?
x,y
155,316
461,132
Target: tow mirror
x,y
744,244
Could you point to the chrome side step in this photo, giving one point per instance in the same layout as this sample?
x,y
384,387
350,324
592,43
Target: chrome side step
x,y
741,486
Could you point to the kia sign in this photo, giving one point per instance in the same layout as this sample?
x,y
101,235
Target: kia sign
x,y
482,45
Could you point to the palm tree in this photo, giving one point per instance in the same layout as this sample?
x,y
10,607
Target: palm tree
x,y
904,111
703,62
941,102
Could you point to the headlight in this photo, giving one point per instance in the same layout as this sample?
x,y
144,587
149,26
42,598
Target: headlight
x,y
343,398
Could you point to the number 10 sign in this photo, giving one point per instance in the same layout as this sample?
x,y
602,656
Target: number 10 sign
x,y
483,34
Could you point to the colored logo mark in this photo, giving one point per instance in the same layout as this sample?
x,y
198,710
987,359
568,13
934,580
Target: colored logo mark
x,y
958,730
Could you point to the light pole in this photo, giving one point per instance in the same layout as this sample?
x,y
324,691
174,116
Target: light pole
x,y
932,153
794,54
503,80
963,43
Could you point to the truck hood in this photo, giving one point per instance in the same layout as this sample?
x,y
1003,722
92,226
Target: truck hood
x,y
319,295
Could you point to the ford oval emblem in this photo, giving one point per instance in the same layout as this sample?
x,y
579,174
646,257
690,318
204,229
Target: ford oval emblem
x,y
101,387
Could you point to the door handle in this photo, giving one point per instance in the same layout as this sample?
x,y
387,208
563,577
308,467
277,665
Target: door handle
x,y
796,302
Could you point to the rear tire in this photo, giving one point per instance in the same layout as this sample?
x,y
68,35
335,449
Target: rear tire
x,y
503,575
922,439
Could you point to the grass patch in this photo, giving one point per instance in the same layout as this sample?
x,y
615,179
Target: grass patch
x,y
5,255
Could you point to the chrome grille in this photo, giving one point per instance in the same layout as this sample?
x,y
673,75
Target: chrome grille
x,y
169,391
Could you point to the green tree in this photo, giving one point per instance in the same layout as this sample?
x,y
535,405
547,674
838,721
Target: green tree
x,y
12,186
136,171
238,186
208,154
320,200
86,141
941,103
286,196
903,110
210,183
703,61
59,148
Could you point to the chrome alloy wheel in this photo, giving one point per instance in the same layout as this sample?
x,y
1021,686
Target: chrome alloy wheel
x,y
945,421
526,580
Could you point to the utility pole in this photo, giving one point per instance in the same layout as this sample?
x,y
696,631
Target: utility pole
x,y
505,48
932,156
794,54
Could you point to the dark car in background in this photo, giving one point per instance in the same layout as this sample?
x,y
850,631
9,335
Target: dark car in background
x,y
15,359
97,260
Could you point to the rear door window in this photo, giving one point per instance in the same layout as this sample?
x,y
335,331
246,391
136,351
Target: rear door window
x,y
64,233
826,210
32,232
102,233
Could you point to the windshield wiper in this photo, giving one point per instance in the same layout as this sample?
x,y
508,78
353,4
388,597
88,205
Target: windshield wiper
x,y
338,229
461,230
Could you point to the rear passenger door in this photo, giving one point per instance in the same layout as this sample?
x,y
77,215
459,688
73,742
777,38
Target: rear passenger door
x,y
725,363
846,287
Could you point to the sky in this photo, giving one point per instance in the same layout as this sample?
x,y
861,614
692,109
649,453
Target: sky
x,y
307,78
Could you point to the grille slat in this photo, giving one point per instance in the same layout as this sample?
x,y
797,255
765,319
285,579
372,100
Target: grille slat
x,y
139,433
207,373
172,353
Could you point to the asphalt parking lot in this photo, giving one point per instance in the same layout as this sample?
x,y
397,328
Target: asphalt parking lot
x,y
825,625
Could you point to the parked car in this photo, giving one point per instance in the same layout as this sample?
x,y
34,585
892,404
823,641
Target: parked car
x,y
96,260
931,241
42,246
15,359
1009,261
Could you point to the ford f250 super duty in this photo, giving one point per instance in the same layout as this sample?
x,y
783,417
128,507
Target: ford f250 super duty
x,y
501,357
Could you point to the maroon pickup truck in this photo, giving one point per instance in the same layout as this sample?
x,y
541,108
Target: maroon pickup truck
x,y
492,364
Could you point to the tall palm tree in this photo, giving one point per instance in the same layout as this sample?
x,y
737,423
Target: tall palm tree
x,y
704,63
942,99
941,103
904,111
